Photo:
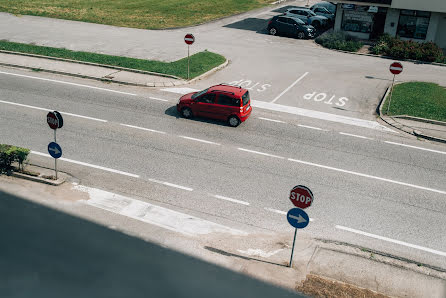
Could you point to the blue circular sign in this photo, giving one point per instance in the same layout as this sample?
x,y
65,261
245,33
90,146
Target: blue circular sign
x,y
298,218
54,150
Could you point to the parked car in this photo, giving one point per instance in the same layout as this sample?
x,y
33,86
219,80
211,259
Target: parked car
x,y
327,5
222,102
322,11
308,16
289,26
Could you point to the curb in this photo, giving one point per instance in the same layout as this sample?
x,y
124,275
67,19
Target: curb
x,y
402,127
209,72
39,179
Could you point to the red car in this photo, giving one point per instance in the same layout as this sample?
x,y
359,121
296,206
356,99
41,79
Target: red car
x,y
223,102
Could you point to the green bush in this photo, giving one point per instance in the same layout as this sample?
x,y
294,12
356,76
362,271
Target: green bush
x,y
10,154
339,41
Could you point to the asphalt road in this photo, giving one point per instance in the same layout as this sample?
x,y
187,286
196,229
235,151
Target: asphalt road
x,y
364,180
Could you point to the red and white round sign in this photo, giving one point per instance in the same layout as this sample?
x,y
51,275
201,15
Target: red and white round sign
x,y
396,68
189,39
52,120
301,196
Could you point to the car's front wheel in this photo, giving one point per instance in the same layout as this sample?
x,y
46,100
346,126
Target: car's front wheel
x,y
233,121
186,112
301,35
273,31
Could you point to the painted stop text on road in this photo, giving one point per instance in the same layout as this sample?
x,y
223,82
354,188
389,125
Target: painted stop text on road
x,y
251,85
326,98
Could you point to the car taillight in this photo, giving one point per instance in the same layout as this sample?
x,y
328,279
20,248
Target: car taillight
x,y
270,21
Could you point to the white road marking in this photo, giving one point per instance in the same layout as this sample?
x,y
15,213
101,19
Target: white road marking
x,y
152,214
356,136
319,115
199,140
171,185
368,176
44,109
289,87
312,127
272,120
261,153
231,200
437,252
184,90
276,211
67,83
259,252
142,128
89,165
156,98
415,147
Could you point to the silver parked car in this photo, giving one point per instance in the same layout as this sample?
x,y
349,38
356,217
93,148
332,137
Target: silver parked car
x,y
322,11
308,16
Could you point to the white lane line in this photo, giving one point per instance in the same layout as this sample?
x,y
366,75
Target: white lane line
x,y
44,109
319,115
312,127
152,214
231,200
437,252
156,98
355,136
88,165
142,128
199,140
281,212
368,176
289,87
261,153
415,147
67,83
184,90
171,184
272,120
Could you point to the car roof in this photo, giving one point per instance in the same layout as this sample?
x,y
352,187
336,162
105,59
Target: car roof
x,y
236,90
299,21
298,8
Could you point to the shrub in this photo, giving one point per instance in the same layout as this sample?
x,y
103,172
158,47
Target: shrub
x,y
10,154
339,41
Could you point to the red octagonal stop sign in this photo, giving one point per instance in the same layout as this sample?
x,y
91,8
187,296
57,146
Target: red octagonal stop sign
x,y
52,120
301,196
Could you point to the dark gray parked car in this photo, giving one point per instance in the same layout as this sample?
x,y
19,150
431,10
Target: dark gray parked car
x,y
308,16
289,26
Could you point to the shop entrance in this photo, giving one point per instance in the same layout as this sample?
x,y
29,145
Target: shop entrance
x,y
379,21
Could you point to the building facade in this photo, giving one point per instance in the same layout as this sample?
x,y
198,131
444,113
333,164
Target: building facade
x,y
408,19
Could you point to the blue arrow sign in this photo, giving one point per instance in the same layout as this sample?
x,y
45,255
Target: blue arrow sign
x,y
54,150
298,218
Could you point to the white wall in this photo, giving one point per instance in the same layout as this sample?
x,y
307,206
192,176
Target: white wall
x,y
425,5
393,16
441,31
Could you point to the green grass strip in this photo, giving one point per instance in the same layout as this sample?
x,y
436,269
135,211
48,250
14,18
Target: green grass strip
x,y
199,63
418,99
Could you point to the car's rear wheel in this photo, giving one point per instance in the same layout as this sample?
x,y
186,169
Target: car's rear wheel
x,y
186,112
233,121
273,31
300,35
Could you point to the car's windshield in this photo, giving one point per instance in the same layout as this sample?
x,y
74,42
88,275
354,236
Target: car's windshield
x,y
311,13
199,93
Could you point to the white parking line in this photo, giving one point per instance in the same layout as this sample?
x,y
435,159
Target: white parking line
x,y
289,87
356,136
156,98
368,176
231,200
415,147
171,184
261,153
88,165
199,140
67,83
437,252
281,212
311,127
44,109
272,120
142,128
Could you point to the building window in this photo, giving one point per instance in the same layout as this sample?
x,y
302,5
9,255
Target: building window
x,y
358,20
413,24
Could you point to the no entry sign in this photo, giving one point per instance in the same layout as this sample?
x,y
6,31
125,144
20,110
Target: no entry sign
x,y
396,68
189,39
301,196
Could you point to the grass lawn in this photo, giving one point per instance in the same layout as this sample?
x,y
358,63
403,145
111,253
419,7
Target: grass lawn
x,y
144,14
199,63
418,99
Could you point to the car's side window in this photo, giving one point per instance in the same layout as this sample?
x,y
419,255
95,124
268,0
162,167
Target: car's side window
x,y
207,98
282,20
226,100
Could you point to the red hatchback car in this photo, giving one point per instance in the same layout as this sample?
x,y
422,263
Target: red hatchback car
x,y
223,102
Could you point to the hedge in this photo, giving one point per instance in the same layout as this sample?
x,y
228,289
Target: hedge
x,y
10,154
339,41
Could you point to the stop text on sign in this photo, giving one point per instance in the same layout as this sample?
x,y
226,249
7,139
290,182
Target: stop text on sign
x,y
301,196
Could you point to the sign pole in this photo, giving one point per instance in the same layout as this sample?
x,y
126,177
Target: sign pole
x,y
188,46
55,160
391,90
292,249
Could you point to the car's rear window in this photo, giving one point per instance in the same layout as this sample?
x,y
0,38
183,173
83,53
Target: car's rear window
x,y
245,98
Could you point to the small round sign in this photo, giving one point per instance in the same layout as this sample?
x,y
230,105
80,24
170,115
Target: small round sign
x,y
298,218
54,150
189,39
396,68
52,120
301,196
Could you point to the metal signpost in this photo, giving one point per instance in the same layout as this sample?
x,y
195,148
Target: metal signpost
x,y
55,121
395,68
188,39
301,197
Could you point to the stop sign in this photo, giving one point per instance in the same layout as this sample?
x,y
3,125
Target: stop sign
x,y
189,39
396,68
301,196
54,120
